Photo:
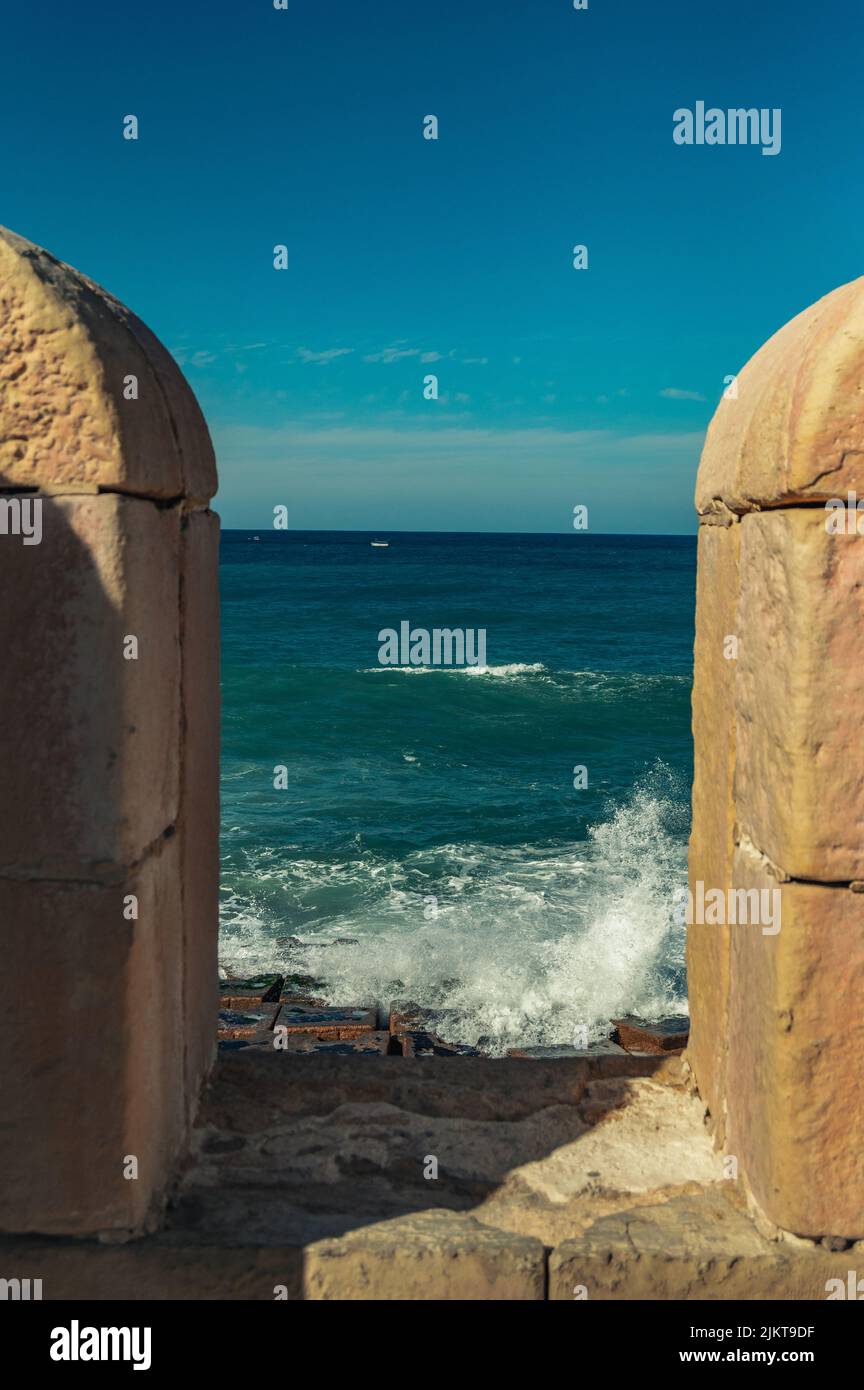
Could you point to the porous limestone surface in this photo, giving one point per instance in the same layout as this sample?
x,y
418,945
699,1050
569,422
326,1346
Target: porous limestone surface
x,y
401,1179
547,1173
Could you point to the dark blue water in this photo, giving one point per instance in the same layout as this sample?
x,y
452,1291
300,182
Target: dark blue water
x,y
431,814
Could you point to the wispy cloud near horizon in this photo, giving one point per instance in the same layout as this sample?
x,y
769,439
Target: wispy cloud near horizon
x,y
325,357
455,476
675,393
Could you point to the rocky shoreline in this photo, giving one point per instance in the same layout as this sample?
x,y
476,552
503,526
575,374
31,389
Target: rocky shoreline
x,y
282,1013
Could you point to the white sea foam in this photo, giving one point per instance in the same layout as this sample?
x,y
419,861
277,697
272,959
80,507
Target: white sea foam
x,y
515,668
529,944
623,682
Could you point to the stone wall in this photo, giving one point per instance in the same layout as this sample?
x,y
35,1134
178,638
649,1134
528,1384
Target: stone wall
x,y
109,711
777,1036
109,800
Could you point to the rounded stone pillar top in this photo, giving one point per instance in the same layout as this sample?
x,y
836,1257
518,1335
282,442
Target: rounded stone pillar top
x,y
795,431
69,416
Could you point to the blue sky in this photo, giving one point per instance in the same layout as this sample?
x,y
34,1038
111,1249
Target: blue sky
x,y
408,256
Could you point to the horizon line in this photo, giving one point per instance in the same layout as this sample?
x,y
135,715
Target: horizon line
x,y
384,531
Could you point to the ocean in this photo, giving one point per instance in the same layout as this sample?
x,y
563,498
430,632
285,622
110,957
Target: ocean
x,y
427,841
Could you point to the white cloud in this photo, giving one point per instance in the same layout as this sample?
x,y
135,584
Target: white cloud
x,y
452,445
325,357
397,352
674,393
185,357
391,354
336,468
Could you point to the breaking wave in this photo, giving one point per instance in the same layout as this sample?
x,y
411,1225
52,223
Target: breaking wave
x,y
515,945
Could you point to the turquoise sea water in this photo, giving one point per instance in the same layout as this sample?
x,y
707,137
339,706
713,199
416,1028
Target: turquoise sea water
x,y
430,816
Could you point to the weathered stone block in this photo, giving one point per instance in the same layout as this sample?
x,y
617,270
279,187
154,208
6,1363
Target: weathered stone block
x,y
799,774
711,839
690,1248
254,1023
327,1022
437,1255
663,1035
198,827
779,1012
97,423
241,999
68,418
419,1043
604,1048
96,736
95,1078
405,1015
795,431
796,1042
330,1044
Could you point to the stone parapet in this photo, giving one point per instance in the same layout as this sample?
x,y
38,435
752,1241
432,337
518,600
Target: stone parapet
x,y
109,709
778,800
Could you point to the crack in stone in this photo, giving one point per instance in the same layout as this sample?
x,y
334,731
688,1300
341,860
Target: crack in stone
x,y
111,876
743,841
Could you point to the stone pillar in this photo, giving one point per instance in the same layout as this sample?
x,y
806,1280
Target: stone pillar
x,y
109,779
777,1040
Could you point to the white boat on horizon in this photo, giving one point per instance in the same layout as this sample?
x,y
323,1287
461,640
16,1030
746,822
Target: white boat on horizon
x,y
379,543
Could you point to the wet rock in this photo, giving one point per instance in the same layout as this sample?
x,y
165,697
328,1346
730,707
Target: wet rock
x,y
419,1043
662,1035
255,985
409,1044
605,1048
298,985
373,1044
254,1022
296,943
416,1031
274,993
338,1023
240,999
406,1014
223,1144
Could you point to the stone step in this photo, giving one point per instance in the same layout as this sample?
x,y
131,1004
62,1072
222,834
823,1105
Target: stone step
x,y
255,1082
694,1247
